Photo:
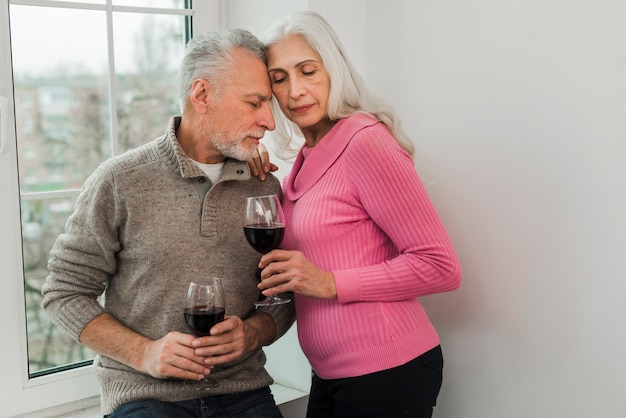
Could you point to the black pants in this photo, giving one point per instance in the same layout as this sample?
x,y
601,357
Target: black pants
x,y
409,390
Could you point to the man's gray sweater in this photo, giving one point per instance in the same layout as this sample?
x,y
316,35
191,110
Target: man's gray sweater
x,y
146,224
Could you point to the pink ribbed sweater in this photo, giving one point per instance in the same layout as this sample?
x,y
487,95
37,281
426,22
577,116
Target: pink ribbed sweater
x,y
356,206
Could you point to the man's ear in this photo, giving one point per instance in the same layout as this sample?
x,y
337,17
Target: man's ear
x,y
201,95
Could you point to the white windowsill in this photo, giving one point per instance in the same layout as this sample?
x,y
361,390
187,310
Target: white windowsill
x,y
90,408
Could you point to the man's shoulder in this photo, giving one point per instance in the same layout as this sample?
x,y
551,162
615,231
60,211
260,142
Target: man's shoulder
x,y
254,186
141,161
272,184
137,160
145,154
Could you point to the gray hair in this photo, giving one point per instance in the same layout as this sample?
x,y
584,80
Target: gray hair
x,y
348,92
209,56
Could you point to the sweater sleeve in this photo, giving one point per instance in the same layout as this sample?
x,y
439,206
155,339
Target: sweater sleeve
x,y
83,257
283,315
388,186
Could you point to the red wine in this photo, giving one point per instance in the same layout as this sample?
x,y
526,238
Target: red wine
x,y
200,319
264,237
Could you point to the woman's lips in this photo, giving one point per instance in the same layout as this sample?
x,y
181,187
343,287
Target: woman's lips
x,y
301,109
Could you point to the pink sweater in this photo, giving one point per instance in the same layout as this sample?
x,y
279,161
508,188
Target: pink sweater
x,y
356,206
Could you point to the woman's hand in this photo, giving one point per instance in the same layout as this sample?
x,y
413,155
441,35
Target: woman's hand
x,y
232,338
290,271
260,165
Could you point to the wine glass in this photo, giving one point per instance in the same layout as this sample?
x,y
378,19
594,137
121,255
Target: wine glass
x,y
264,228
204,307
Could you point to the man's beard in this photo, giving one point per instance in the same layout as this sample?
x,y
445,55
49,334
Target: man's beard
x,y
236,150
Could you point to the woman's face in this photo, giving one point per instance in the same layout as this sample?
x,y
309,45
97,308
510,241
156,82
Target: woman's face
x,y
301,85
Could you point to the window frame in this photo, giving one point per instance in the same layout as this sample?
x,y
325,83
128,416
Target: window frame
x,y
20,393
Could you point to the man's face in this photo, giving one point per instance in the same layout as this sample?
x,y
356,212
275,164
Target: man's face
x,y
238,117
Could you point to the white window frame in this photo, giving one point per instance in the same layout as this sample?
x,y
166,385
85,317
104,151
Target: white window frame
x,y
20,394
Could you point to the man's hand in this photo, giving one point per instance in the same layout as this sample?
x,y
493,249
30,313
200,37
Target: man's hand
x,y
260,165
173,356
169,356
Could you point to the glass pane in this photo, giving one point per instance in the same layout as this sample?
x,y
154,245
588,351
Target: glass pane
x,y
48,346
61,95
148,52
62,125
84,1
61,87
167,4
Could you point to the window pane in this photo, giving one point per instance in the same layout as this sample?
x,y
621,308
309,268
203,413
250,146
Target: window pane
x,y
62,126
76,47
148,51
61,96
42,222
83,1
168,4
62,87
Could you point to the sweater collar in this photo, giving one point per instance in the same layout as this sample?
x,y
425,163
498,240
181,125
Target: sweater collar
x,y
306,173
175,156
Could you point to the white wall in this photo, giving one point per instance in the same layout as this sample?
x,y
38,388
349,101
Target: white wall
x,y
518,111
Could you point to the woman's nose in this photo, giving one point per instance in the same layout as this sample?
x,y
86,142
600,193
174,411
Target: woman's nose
x,y
296,88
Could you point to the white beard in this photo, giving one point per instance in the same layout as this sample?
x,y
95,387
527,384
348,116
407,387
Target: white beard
x,y
236,151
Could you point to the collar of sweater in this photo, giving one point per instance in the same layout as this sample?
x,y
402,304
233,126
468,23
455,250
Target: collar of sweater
x,y
173,153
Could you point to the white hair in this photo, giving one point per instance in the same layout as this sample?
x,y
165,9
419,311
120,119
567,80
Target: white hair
x,y
348,92
209,56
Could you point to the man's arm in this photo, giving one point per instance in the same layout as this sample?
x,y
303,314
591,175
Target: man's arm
x,y
170,356
260,330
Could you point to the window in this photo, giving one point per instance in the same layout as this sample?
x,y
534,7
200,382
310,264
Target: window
x,y
80,81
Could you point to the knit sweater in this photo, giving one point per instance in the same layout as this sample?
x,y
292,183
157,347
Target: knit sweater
x,y
146,224
356,206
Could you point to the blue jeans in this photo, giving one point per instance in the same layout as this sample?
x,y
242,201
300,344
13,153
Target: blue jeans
x,y
253,404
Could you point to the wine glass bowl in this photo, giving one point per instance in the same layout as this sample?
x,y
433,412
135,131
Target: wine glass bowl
x,y
204,307
264,237
264,229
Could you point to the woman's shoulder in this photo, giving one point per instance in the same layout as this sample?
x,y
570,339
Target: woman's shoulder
x,y
363,127
359,125
360,120
371,137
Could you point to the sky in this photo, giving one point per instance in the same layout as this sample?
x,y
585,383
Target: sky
x,y
44,38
